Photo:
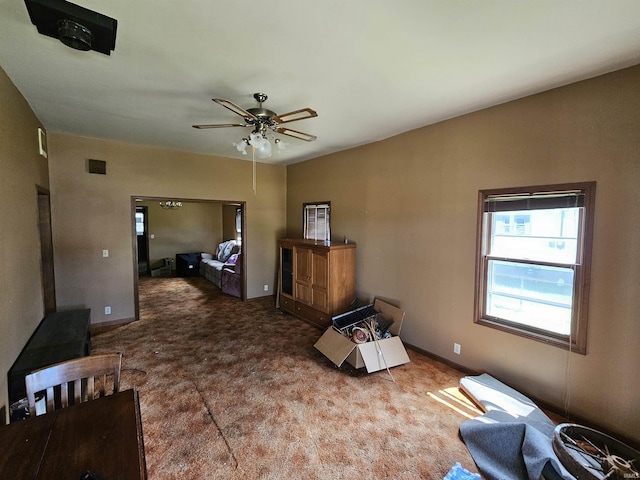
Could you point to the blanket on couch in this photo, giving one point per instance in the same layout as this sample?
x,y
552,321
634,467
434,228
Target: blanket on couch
x,y
212,265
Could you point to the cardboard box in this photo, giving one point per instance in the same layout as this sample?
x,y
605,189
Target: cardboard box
x,y
374,355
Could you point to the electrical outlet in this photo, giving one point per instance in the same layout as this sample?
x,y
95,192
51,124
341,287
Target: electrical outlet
x,y
107,310
456,348
265,288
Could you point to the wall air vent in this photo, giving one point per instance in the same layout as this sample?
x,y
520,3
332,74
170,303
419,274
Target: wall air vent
x,y
75,26
97,166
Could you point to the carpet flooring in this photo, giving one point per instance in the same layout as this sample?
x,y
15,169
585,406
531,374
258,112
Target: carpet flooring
x,y
236,390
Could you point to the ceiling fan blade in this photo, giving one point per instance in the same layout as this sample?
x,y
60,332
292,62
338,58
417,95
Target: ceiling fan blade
x,y
235,108
221,125
295,115
294,133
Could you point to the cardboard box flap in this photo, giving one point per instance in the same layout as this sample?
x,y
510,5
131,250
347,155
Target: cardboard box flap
x,y
374,355
386,353
335,346
388,311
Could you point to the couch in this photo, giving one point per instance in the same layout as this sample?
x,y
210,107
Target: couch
x,y
212,265
232,276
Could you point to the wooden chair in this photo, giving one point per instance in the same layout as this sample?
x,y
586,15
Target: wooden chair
x,y
80,373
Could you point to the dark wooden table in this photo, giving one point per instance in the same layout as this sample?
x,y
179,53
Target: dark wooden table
x,y
103,436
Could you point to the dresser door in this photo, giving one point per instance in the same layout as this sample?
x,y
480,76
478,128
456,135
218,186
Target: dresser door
x,y
302,274
320,280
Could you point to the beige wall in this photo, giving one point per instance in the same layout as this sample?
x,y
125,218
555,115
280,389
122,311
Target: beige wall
x,y
22,169
409,202
93,212
195,227
229,222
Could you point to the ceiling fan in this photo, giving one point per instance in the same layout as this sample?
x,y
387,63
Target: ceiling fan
x,y
262,120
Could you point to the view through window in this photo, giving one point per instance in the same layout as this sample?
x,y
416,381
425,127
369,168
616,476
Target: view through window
x,y
239,225
534,261
139,223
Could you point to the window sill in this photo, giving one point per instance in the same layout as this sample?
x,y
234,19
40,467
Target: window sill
x,y
559,341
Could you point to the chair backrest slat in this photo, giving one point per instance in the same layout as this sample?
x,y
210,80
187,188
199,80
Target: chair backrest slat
x,y
90,389
80,372
50,404
64,394
103,384
77,391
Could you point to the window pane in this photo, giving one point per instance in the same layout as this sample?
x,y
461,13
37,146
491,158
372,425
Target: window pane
x,y
317,222
239,225
139,223
534,295
549,235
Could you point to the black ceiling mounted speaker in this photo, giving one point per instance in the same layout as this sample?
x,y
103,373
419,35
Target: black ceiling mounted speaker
x,y
75,26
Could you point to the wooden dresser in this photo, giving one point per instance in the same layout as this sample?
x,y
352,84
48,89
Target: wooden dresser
x,y
317,279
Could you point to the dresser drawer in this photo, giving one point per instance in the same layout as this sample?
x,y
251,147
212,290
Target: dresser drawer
x,y
287,304
316,317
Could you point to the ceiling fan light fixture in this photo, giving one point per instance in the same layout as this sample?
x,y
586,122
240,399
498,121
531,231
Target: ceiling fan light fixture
x,y
264,122
74,35
281,145
242,145
261,144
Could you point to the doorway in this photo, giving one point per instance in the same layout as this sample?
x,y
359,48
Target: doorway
x,y
159,233
46,251
142,240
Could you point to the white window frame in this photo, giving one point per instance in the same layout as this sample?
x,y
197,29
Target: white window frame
x,y
317,221
500,202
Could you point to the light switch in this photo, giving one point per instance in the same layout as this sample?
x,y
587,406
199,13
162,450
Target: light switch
x,y
105,253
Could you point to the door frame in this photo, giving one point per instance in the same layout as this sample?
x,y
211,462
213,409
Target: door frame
x,y
134,242
47,269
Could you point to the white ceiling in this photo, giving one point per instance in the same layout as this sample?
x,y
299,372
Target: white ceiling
x,y
370,68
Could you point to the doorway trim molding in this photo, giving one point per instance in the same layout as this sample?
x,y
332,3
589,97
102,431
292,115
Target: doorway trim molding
x,y
135,199
47,265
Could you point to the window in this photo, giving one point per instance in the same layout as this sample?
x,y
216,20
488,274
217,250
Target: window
x,y
534,261
239,225
139,223
316,221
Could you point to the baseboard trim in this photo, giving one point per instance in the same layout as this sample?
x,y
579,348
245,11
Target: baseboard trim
x,y
97,327
262,297
440,359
